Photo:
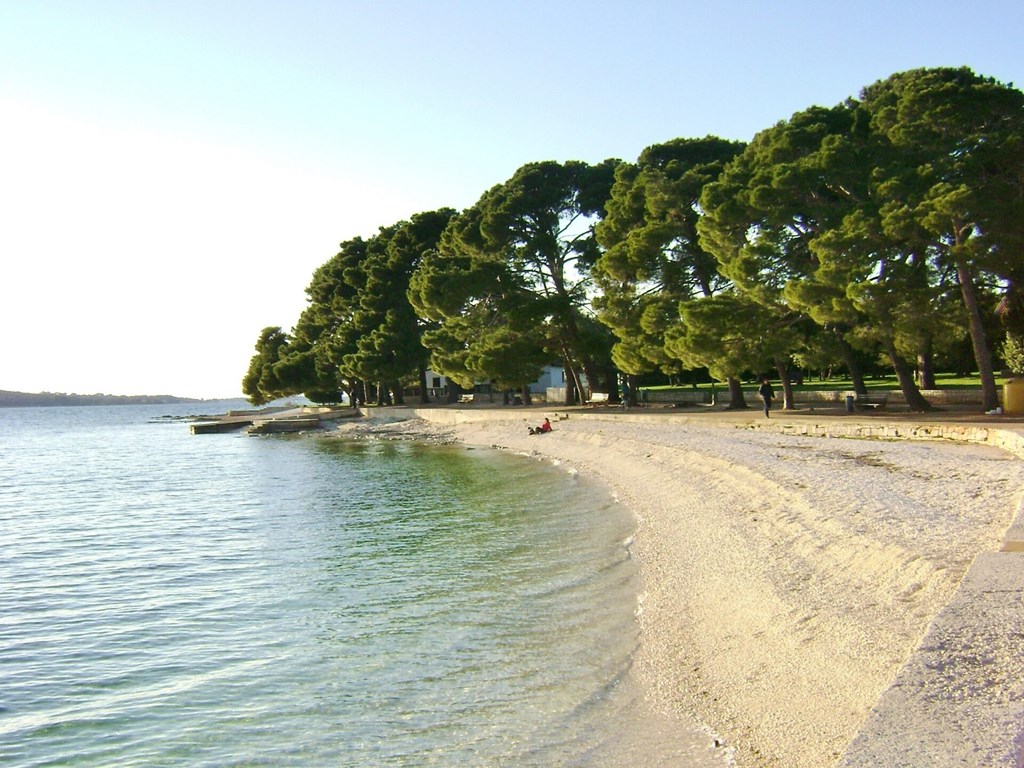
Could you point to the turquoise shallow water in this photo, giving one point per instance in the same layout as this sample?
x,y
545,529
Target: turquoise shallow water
x,y
226,600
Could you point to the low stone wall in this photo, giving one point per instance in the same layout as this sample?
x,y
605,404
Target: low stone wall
x,y
691,396
837,397
688,396
555,395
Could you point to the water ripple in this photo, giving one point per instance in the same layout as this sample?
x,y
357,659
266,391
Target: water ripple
x,y
215,601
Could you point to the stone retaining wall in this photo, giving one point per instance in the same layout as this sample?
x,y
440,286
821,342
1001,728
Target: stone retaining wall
x,y
832,396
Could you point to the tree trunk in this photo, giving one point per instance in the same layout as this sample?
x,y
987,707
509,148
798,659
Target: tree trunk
x,y
982,356
631,379
569,340
915,400
1011,308
852,366
399,398
358,393
573,386
455,392
610,378
787,386
736,400
527,395
424,392
926,370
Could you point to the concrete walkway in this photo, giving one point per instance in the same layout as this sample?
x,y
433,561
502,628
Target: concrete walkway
x,y
959,699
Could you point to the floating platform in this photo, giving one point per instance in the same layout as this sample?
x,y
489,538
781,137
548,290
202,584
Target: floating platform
x,y
211,427
272,420
269,426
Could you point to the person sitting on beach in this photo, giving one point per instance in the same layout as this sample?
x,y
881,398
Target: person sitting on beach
x,y
545,427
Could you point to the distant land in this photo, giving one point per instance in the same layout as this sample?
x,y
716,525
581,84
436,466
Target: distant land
x,y
16,399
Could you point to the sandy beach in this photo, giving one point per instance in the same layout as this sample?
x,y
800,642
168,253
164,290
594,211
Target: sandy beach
x,y
786,579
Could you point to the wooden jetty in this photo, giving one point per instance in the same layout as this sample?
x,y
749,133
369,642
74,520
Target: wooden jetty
x,y
270,420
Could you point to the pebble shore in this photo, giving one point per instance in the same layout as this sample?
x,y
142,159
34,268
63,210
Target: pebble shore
x,y
793,576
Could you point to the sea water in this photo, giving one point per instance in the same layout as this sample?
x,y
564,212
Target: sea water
x,y
227,600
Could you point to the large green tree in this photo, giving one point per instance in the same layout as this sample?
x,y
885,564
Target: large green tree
x,y
889,287
652,259
946,183
358,331
389,345
728,333
483,322
326,329
764,211
798,221
261,383
518,262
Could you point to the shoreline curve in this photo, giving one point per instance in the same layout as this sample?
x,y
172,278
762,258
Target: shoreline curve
x,y
795,611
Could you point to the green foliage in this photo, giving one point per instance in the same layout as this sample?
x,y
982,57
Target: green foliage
x,y
261,383
508,284
359,324
763,214
945,184
1013,353
728,334
890,222
856,214
389,345
653,259
325,331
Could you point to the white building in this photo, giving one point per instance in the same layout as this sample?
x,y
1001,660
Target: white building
x,y
551,376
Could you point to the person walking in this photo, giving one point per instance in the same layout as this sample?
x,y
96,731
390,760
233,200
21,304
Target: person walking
x,y
767,395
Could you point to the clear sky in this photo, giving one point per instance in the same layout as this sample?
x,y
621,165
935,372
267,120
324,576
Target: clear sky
x,y
172,171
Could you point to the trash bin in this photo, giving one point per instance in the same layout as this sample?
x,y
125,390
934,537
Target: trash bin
x,y
849,403
1013,397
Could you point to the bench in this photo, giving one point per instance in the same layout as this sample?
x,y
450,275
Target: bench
x,y
873,402
469,398
598,398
